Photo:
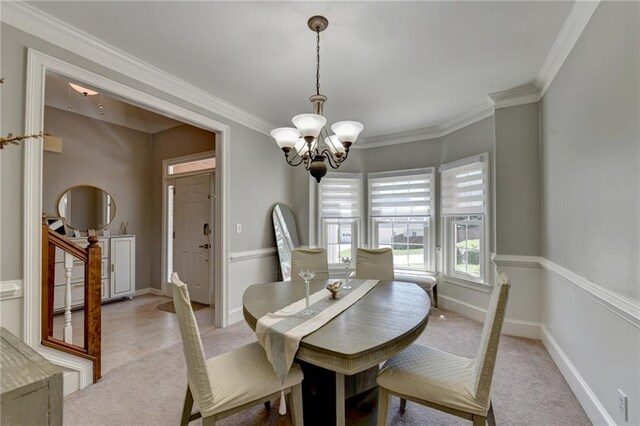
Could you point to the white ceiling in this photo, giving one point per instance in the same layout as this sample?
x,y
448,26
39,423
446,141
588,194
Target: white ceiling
x,y
395,66
58,94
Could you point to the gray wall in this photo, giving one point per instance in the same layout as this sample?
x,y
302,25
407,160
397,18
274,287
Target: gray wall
x,y
111,157
171,143
259,177
517,174
591,153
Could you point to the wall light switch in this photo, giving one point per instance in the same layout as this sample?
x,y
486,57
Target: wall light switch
x,y
622,405
238,228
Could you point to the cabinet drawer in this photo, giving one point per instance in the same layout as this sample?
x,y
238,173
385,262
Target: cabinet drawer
x,y
77,294
84,243
77,272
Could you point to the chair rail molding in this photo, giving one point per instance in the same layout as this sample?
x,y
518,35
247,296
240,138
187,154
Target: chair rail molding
x,y
32,20
11,289
626,307
252,254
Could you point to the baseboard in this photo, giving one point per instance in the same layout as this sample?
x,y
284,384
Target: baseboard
x,y
511,327
590,403
149,290
235,315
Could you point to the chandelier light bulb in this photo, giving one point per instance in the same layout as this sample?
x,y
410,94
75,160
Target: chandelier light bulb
x,y
309,125
286,137
347,131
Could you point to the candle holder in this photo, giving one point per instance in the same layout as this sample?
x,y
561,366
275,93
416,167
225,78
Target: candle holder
x,y
347,261
307,276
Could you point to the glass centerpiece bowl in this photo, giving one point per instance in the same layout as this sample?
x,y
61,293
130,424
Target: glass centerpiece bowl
x,y
307,276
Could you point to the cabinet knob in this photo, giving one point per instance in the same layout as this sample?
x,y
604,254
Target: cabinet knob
x,y
204,246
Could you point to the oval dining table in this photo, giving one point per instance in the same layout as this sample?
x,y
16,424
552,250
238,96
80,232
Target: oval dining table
x,y
352,345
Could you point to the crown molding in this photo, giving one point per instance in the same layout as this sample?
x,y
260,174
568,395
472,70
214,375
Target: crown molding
x,y
432,132
514,97
33,21
576,22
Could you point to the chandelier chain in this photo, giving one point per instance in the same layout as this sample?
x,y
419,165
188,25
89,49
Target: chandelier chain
x,y
317,61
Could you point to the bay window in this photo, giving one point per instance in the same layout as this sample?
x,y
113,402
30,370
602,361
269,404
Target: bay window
x,y
400,208
464,199
339,197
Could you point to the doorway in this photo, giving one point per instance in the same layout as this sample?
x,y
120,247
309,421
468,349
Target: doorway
x,y
188,234
38,65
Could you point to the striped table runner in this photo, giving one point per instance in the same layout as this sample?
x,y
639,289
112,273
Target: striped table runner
x,y
280,333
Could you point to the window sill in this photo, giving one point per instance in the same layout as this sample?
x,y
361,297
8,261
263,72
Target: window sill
x,y
474,285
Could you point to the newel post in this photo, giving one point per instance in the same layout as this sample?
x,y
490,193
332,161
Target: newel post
x,y
92,307
48,276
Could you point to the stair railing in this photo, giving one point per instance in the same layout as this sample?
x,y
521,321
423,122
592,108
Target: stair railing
x,y
91,258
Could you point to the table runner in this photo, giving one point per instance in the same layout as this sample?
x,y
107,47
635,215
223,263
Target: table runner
x,y
280,333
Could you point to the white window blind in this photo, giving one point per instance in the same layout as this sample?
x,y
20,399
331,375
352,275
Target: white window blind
x,y
340,197
463,188
401,194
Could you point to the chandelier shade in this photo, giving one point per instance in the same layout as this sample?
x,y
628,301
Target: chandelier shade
x,y
310,143
286,137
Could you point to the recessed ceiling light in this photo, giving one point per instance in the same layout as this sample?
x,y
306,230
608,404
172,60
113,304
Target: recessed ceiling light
x,y
83,90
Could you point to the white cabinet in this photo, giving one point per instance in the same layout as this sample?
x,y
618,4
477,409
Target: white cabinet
x,y
123,269
118,271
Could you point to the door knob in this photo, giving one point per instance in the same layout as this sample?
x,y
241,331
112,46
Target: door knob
x,y
204,246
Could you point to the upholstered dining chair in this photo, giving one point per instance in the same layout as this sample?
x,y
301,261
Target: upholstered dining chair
x,y
444,381
309,260
231,382
376,264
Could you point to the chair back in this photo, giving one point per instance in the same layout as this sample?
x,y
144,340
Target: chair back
x,y
197,375
309,260
375,264
486,359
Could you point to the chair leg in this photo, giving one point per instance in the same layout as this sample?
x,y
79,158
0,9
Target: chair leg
x,y
403,405
295,405
186,409
490,417
383,406
479,420
434,289
209,421
267,405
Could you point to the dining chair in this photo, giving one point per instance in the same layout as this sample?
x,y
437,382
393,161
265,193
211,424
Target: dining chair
x,y
376,264
444,381
231,382
309,260
426,282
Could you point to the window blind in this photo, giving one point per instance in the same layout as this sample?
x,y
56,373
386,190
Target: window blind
x,y
400,195
339,197
463,189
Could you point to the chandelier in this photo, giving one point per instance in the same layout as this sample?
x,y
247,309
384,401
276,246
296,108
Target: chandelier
x,y
309,143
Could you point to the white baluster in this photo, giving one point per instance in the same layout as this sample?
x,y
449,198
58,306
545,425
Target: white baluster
x,y
68,329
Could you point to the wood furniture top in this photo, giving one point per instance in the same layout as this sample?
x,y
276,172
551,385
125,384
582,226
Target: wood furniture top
x,y
383,322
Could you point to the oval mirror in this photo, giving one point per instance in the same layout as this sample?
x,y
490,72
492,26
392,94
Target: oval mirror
x,y
284,226
86,207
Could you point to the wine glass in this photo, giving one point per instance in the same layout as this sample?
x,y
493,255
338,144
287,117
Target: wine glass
x,y
347,261
307,276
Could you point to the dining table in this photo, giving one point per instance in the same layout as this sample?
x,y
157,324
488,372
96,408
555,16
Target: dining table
x,y
342,358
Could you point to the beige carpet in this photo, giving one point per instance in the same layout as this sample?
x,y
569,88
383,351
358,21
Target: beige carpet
x,y
528,389
169,307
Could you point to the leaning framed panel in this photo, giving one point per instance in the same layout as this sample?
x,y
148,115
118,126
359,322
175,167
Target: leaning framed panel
x,y
382,323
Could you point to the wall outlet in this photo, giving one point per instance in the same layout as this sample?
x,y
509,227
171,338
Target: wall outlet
x,y
622,405
238,228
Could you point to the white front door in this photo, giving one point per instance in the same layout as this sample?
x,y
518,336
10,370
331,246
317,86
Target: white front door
x,y
192,242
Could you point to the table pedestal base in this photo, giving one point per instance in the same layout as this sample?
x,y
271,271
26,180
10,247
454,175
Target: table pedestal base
x,y
329,397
